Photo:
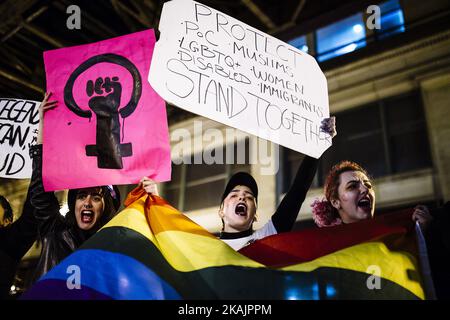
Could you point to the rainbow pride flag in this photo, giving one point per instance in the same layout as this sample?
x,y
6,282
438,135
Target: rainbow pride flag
x,y
150,250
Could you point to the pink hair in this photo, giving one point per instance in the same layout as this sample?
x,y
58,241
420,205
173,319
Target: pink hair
x,y
324,214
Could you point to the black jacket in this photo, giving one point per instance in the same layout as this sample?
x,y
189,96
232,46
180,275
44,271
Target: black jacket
x,y
58,237
438,243
15,240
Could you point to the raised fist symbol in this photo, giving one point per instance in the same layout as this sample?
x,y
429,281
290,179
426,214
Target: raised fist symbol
x,y
104,105
105,97
109,151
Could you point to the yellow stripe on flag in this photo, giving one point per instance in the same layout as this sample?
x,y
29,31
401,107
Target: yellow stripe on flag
x,y
186,249
360,257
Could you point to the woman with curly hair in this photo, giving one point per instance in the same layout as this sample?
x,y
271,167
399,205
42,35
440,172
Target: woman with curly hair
x,y
350,197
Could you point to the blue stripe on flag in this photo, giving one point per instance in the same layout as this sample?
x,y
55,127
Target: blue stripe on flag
x,y
113,274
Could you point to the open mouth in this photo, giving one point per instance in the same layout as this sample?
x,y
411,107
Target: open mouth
x,y
365,203
87,216
241,209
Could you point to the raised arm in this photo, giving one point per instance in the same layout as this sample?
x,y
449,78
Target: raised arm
x,y
45,203
284,217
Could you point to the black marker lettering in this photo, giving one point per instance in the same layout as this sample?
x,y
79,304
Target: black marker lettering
x,y
180,89
209,39
221,23
240,29
201,10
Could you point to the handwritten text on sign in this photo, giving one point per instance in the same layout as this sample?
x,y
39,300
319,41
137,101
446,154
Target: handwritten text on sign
x,y
216,66
19,121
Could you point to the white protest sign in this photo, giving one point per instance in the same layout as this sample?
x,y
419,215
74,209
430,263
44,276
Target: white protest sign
x,y
19,122
218,67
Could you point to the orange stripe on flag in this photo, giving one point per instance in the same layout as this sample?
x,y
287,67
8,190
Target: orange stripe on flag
x,y
155,207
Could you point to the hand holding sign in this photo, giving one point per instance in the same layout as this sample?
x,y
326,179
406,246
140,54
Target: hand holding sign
x,y
328,125
43,107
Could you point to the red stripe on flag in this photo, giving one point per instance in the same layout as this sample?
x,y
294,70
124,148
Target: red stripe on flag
x,y
301,246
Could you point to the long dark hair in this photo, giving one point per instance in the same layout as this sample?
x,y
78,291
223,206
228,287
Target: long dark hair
x,y
111,197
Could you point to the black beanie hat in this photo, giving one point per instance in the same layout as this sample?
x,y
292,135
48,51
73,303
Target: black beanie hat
x,y
241,179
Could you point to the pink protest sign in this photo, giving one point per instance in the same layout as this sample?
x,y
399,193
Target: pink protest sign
x,y
110,126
